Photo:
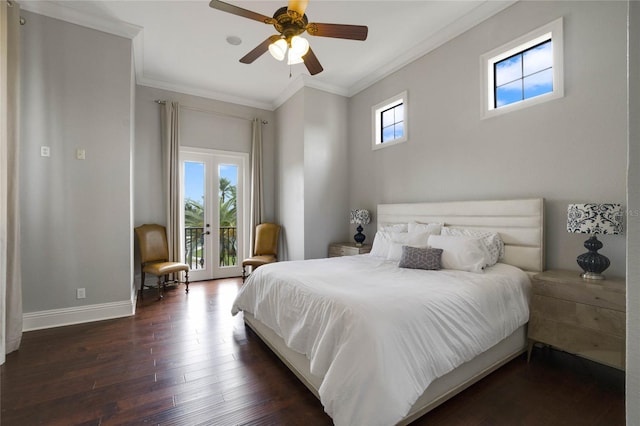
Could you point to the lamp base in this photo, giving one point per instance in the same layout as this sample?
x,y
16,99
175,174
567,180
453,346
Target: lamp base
x,y
592,276
593,263
359,237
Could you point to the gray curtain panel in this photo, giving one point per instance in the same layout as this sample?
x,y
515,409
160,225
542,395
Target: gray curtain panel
x,y
10,281
171,151
257,201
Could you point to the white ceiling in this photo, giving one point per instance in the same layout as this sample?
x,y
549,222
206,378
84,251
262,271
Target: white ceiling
x,y
181,45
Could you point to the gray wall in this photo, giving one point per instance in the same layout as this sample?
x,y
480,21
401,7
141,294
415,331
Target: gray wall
x,y
204,123
633,223
326,203
313,205
568,150
290,176
76,214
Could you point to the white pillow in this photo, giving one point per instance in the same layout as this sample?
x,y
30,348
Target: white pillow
x,y
491,240
394,227
433,228
460,253
411,239
381,244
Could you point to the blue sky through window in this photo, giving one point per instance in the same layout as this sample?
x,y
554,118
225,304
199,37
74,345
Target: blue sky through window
x,y
524,75
194,178
392,123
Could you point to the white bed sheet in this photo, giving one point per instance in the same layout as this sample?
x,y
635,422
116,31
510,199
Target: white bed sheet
x,y
377,334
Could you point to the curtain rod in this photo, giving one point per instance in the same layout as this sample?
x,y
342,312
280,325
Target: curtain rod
x,y
163,102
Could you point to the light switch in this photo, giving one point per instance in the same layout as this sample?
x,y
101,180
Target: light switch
x,y
80,155
45,151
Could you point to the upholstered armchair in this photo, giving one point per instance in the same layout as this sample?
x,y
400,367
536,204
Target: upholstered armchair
x,y
265,247
154,258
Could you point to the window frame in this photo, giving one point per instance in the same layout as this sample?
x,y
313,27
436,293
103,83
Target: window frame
x,y
553,31
376,120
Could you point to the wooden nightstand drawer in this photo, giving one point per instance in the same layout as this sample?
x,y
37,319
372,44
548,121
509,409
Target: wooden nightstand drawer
x,y
586,318
583,292
580,315
347,249
597,346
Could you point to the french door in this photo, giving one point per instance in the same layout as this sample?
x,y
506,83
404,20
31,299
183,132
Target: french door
x,y
215,212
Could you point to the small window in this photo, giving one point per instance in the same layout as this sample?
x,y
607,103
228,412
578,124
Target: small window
x,y
524,72
524,75
390,121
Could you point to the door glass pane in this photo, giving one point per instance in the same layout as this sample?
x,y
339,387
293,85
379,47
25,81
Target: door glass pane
x,y
228,176
194,214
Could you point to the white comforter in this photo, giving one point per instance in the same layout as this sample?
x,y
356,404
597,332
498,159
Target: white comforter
x,y
377,334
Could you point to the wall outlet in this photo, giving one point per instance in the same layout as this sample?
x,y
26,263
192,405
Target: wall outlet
x,y
45,151
81,293
80,154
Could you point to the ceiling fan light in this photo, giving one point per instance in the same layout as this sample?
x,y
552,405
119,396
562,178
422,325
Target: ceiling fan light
x,y
299,45
298,5
293,58
278,49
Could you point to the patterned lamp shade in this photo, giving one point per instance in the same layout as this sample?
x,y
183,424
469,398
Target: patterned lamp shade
x,y
360,216
592,218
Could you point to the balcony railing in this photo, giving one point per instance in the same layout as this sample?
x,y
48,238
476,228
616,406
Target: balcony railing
x,y
195,250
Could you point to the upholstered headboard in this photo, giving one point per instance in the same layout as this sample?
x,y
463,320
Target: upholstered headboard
x,y
520,223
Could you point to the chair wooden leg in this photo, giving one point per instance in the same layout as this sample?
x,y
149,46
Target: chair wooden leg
x,y
244,273
160,295
186,281
141,283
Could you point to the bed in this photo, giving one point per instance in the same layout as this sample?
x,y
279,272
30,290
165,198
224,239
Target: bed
x,y
337,344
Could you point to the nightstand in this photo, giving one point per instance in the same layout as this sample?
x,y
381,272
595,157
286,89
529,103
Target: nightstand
x,y
584,317
347,249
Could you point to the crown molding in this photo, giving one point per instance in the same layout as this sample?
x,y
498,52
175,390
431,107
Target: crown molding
x,y
291,89
309,81
57,10
203,93
304,80
475,16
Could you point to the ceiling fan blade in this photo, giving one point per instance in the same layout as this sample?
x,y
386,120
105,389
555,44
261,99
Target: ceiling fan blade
x,y
312,63
259,50
230,8
298,5
351,32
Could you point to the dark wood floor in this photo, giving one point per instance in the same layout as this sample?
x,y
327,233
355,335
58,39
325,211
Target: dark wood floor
x,y
186,361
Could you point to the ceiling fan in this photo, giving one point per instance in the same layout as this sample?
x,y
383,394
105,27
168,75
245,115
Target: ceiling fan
x,y
290,22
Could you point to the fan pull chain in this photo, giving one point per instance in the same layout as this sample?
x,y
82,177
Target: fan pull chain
x,y
289,70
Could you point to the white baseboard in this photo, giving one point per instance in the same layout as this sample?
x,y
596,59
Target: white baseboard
x,y
77,315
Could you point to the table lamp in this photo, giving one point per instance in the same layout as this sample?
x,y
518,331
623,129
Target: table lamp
x,y
594,219
360,217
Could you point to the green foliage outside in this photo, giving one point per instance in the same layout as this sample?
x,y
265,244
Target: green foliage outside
x,y
194,210
194,218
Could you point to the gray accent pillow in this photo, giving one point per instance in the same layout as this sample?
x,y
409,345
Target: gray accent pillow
x,y
420,258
